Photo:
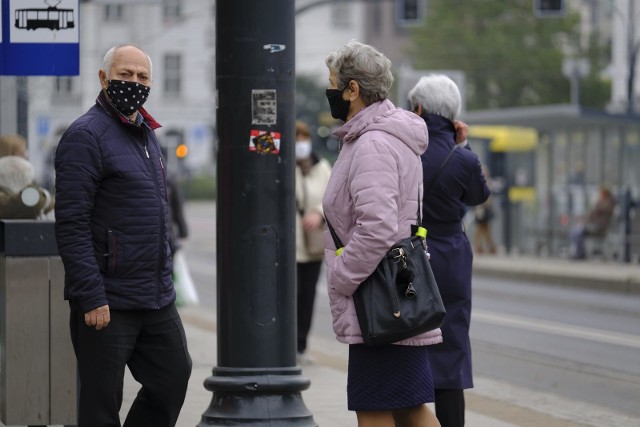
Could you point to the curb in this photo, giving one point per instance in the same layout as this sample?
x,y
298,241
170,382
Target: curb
x,y
602,276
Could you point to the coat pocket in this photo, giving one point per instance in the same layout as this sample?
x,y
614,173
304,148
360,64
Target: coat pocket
x,y
110,258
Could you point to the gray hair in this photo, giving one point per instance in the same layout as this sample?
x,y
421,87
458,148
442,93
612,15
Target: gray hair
x,y
107,61
364,64
437,94
15,173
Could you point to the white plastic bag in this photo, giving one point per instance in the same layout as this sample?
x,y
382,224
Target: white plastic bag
x,y
186,293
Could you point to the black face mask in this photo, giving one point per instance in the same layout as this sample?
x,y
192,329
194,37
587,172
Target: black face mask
x,y
127,96
338,106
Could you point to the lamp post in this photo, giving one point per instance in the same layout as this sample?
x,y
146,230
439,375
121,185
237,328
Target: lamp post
x,y
556,9
632,54
574,70
256,381
632,46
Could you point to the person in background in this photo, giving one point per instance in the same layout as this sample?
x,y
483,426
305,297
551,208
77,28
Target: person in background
x,y
371,201
13,145
20,196
447,193
483,215
178,227
112,223
312,175
186,292
595,224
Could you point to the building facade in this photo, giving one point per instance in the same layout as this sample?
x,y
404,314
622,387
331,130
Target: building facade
x,y
179,36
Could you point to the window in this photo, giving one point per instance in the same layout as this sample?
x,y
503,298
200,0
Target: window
x,y
64,85
340,16
113,12
172,74
171,9
409,12
549,8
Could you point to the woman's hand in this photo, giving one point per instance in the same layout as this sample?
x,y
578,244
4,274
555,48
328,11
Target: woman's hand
x,y
312,220
462,131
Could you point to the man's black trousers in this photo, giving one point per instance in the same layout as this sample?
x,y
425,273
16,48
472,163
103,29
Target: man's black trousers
x,y
153,345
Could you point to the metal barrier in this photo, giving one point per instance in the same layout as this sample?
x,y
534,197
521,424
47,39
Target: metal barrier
x,y
37,363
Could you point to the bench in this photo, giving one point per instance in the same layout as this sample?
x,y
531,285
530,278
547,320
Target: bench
x,y
549,240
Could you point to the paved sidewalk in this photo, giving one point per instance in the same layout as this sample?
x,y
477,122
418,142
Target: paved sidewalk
x,y
489,404
325,398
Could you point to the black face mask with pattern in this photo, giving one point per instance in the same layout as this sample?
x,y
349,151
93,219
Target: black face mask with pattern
x,y
127,96
338,106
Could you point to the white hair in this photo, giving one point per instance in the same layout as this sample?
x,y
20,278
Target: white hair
x,y
437,94
15,173
107,61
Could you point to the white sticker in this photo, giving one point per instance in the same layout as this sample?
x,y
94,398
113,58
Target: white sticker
x,y
264,109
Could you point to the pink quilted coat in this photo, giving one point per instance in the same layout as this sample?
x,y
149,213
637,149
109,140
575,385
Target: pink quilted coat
x,y
371,201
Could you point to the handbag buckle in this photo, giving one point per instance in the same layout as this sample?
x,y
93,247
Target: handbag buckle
x,y
405,276
400,255
410,292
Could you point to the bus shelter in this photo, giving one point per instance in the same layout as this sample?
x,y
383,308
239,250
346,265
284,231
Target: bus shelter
x,y
549,163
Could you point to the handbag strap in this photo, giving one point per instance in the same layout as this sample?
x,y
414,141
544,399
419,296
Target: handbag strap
x,y
334,235
433,181
336,239
435,177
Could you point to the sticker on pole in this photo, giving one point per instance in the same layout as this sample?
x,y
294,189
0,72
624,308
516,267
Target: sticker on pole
x,y
264,109
264,142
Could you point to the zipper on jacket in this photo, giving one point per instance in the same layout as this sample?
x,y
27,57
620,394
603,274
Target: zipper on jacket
x,y
153,170
164,175
111,252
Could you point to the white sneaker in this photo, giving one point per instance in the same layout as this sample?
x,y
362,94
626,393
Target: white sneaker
x,y
304,359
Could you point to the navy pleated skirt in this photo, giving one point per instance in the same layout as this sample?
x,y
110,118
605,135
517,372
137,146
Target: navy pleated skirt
x,y
388,377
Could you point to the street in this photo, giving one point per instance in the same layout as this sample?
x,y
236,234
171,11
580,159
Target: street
x,y
564,352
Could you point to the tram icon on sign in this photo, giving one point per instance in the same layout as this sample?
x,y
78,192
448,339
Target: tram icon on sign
x,y
50,17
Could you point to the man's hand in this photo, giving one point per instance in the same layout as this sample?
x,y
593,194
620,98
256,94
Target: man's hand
x,y
98,317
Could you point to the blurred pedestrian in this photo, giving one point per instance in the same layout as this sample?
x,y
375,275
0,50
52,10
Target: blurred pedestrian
x,y
13,145
20,196
112,222
372,201
186,292
449,187
596,224
483,215
312,175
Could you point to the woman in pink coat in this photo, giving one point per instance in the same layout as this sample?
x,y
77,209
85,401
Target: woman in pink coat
x,y
371,201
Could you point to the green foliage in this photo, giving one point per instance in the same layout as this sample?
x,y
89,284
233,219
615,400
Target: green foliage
x,y
313,109
595,92
311,100
509,56
198,187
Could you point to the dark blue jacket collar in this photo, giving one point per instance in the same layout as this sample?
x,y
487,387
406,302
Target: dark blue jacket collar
x,y
106,104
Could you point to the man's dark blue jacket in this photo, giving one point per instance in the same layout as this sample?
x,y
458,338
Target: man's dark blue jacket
x,y
112,212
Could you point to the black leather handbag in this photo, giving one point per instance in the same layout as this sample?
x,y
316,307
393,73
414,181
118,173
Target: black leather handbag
x,y
400,299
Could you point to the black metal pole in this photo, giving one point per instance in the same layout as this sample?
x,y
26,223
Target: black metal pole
x,y
632,52
627,206
22,104
256,381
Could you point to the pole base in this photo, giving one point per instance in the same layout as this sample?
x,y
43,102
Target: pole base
x,y
257,397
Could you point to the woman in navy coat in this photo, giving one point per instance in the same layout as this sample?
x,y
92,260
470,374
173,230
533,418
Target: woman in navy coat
x,y
447,193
